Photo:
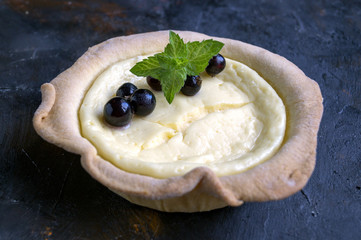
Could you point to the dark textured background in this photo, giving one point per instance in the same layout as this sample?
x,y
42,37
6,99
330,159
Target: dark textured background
x,y
44,192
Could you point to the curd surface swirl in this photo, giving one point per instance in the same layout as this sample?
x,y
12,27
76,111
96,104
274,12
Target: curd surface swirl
x,y
233,123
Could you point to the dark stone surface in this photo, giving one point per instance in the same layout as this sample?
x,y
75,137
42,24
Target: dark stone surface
x,y
44,192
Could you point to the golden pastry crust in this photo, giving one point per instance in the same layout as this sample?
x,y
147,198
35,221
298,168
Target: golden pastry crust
x,y
56,120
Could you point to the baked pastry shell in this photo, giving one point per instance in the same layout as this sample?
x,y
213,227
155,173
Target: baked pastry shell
x,y
56,120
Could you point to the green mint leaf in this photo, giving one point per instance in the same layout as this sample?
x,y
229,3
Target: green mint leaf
x,y
147,67
176,47
168,62
172,81
178,60
199,54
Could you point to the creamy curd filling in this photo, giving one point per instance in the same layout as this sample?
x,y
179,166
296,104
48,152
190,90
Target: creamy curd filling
x,y
233,123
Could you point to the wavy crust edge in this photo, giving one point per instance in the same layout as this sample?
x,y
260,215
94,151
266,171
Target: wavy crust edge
x,y
200,189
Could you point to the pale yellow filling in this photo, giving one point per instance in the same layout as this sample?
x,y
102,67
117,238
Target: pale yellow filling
x,y
235,122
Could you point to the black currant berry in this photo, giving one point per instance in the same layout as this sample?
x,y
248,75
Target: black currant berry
x,y
126,90
142,102
154,83
117,112
216,65
192,85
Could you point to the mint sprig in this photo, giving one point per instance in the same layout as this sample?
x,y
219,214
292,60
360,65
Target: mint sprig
x,y
178,60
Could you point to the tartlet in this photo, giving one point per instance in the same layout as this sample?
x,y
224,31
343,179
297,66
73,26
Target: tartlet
x,y
57,121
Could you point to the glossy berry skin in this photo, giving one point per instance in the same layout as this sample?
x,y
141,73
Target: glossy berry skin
x,y
154,83
117,112
192,85
126,90
216,65
142,102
